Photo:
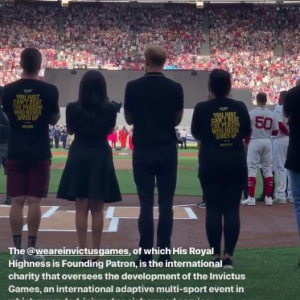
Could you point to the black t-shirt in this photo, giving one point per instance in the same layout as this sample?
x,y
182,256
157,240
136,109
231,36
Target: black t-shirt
x,y
291,107
29,105
221,125
153,100
91,127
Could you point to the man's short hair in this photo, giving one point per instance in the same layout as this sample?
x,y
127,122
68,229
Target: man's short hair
x,y
282,94
261,98
156,55
31,60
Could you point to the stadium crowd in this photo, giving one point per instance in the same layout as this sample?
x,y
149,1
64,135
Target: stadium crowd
x,y
242,40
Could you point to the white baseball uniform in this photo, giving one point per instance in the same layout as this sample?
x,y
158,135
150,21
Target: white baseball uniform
x,y
281,146
263,123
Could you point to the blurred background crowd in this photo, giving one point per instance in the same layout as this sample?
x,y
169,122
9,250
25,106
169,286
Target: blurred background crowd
x,y
259,45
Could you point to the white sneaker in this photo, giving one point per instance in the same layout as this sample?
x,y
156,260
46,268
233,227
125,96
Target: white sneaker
x,y
250,201
290,200
269,201
281,201
18,257
34,257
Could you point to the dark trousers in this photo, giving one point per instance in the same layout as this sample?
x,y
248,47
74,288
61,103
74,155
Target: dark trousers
x,y
183,145
64,142
160,164
222,194
56,141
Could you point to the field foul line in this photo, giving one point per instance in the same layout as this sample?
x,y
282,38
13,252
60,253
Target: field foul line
x,y
185,205
110,212
50,212
47,214
113,227
191,213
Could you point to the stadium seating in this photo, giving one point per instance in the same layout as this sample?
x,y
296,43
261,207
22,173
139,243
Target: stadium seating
x,y
243,40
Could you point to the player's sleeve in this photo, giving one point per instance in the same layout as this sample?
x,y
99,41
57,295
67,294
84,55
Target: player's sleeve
x,y
279,120
275,125
278,116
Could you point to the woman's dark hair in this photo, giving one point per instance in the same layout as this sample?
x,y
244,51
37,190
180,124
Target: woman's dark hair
x,y
92,97
219,83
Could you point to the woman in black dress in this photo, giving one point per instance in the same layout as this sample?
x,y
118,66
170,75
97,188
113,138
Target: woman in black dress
x,y
89,176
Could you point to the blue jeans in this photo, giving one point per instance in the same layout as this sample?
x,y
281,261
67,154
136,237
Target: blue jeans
x,y
295,184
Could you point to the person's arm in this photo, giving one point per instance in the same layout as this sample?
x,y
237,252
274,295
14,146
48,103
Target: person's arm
x,y
128,105
199,147
195,126
179,105
275,126
69,119
246,120
246,124
289,103
111,118
7,103
54,107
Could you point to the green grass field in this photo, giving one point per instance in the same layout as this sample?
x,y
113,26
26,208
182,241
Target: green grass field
x,y
187,182
271,274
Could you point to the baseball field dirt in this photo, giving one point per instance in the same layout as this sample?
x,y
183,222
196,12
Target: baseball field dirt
x,y
262,226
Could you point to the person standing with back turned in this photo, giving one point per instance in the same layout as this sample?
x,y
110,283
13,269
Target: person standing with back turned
x,y
291,110
221,124
263,126
281,142
154,106
30,105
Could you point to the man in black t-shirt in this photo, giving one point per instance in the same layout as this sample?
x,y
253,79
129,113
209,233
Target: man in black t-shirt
x,y
30,105
291,109
154,106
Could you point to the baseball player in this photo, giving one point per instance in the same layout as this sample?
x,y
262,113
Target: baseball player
x,y
264,125
280,148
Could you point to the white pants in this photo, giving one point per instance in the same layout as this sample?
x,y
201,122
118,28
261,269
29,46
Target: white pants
x,y
260,154
281,146
273,155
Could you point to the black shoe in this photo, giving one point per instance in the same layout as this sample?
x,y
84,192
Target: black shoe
x,y
227,263
7,201
143,261
202,204
165,259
